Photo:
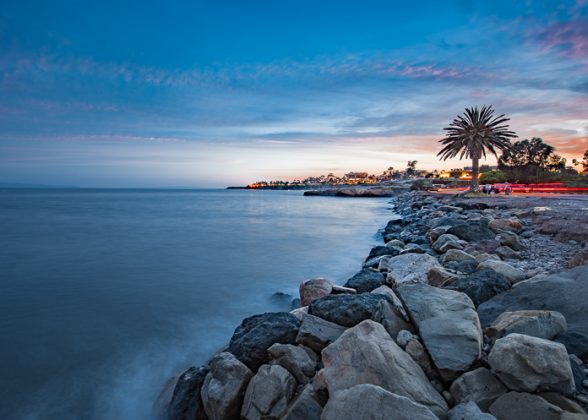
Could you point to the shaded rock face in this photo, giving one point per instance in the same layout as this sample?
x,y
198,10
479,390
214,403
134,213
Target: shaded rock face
x,y
542,324
305,406
513,274
366,354
313,289
480,386
468,411
481,285
317,333
392,317
347,310
186,403
571,300
257,333
368,401
294,359
379,251
523,406
224,387
366,281
448,324
410,268
532,364
440,277
268,393
472,231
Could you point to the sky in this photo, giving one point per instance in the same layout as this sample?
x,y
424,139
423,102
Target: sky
x,y
212,93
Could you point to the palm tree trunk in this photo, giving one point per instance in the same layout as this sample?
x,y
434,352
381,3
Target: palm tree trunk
x,y
474,186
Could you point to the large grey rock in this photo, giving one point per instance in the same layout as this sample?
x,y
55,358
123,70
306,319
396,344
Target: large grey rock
x,y
224,387
446,241
313,289
305,406
268,393
186,403
511,240
317,333
531,364
513,274
366,401
391,317
565,292
480,386
456,255
346,310
523,406
257,333
481,285
439,277
382,250
448,324
367,354
410,268
542,324
366,281
468,411
294,359
472,231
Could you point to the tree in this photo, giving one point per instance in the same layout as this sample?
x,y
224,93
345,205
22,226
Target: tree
x,y
472,134
456,172
528,159
583,162
411,168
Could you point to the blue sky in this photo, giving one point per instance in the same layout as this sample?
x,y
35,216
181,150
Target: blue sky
x,y
210,93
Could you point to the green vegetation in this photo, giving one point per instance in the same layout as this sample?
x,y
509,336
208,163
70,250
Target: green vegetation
x,y
472,134
494,177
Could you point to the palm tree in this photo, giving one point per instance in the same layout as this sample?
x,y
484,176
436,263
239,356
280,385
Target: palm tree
x,y
472,134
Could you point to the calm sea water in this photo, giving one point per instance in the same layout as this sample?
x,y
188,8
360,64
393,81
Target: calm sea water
x,y
104,294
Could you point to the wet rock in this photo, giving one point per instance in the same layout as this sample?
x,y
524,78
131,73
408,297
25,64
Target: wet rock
x,y
366,401
468,411
481,285
366,354
448,325
523,406
305,406
410,268
531,364
224,387
313,289
542,324
347,310
268,393
186,403
446,242
480,386
294,359
366,281
257,333
317,333
513,274
472,231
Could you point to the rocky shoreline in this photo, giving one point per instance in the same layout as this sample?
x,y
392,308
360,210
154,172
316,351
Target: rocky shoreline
x,y
470,309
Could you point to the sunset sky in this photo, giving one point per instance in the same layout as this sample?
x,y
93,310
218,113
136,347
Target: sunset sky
x,y
214,93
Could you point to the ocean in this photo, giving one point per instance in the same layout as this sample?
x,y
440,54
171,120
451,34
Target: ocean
x,y
105,294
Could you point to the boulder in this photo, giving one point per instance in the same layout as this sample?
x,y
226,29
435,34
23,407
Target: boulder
x,y
447,221
367,401
224,387
375,262
380,250
563,403
257,333
417,351
531,364
486,246
513,274
507,253
439,277
480,386
511,240
433,234
396,243
463,267
410,268
268,394
456,255
313,289
305,406
542,324
446,242
299,312
346,310
481,285
468,411
523,406
294,359
448,325
412,249
186,403
565,292
317,333
392,318
366,281
366,354
403,337
510,225
472,231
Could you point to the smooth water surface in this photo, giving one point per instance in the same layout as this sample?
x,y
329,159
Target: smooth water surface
x,y
105,294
